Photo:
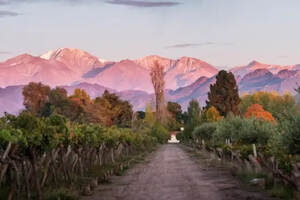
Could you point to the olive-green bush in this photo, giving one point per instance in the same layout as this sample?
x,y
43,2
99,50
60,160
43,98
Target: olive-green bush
x,y
160,132
244,131
204,131
290,134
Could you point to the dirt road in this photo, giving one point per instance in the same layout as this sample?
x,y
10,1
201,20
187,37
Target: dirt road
x,y
170,173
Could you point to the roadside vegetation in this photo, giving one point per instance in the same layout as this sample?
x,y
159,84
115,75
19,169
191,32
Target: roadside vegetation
x,y
232,126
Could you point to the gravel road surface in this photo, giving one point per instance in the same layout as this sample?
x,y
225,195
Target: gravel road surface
x,y
171,173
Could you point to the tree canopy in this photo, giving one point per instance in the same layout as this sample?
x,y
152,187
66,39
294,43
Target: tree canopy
x,y
224,95
107,109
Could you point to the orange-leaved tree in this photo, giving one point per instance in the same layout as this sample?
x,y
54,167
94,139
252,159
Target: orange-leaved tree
x,y
256,110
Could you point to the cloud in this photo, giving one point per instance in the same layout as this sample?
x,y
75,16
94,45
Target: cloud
x,y
4,52
282,57
134,3
5,13
188,45
143,3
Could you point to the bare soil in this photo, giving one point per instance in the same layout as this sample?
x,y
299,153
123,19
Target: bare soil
x,y
172,173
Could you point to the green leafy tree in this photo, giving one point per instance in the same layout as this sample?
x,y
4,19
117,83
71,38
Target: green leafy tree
x,y
175,110
193,118
224,95
58,101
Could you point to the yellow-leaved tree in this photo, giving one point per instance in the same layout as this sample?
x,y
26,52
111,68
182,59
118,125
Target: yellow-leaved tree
x,y
211,115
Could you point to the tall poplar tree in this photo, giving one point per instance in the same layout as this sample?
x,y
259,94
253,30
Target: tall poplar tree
x,y
157,78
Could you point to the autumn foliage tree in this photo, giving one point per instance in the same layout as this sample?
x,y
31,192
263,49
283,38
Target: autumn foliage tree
x,y
211,115
36,95
224,95
257,111
113,110
280,106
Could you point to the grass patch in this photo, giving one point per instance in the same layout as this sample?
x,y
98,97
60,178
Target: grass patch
x,y
247,176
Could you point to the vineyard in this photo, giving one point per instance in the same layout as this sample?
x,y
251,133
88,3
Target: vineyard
x,y
60,141
40,152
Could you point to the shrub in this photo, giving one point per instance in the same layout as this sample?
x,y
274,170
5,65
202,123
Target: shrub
x,y
160,132
243,131
205,131
290,134
173,125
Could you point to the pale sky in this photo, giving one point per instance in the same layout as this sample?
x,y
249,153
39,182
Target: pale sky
x,y
224,33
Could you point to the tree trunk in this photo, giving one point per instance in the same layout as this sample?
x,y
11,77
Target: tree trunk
x,y
36,176
26,177
3,172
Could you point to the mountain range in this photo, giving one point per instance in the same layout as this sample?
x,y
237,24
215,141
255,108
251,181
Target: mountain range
x,y
186,78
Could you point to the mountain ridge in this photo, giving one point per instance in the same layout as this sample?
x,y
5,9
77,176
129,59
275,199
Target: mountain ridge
x,y
186,78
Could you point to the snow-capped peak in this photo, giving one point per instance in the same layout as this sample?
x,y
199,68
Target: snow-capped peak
x,y
102,60
47,55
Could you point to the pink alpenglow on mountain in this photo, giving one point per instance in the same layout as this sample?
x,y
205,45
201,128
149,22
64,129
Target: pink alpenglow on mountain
x,y
181,72
68,66
124,75
186,71
186,78
79,61
26,68
148,62
60,67
254,65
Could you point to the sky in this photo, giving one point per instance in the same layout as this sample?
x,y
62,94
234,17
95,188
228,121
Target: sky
x,y
224,33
